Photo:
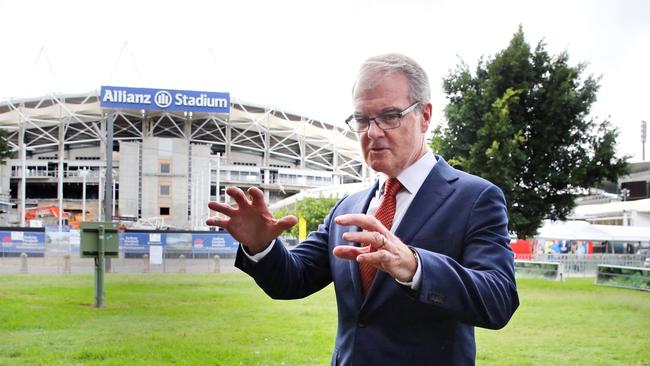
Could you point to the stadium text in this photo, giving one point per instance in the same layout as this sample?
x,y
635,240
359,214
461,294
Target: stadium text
x,y
164,99
122,96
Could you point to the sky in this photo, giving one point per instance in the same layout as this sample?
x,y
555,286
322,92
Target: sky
x,y
302,56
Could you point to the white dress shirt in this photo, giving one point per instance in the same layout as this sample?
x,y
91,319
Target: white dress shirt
x,y
411,179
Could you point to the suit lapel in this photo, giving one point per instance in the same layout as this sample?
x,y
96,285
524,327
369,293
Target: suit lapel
x,y
431,195
433,192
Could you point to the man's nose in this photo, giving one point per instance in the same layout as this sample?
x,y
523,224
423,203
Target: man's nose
x,y
374,131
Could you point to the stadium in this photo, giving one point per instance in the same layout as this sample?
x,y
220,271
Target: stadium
x,y
167,162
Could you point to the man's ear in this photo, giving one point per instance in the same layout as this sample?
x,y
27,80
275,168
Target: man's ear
x,y
426,111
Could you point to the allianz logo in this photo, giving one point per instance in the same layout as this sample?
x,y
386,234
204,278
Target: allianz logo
x,y
163,99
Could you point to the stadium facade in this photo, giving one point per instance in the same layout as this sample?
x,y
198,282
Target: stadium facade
x,y
166,163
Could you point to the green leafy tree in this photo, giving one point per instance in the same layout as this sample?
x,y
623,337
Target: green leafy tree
x,y
312,209
521,120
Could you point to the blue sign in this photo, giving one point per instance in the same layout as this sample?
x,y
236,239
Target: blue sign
x,y
134,242
117,97
207,243
139,242
22,241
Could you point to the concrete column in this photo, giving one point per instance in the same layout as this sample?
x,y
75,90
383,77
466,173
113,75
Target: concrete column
x,y
108,186
301,144
146,125
62,127
228,147
23,176
191,189
188,126
336,177
140,178
267,140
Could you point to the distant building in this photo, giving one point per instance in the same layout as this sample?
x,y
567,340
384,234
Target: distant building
x,y
624,213
166,164
624,203
637,183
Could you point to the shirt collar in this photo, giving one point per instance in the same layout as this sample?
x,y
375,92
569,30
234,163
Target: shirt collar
x,y
413,177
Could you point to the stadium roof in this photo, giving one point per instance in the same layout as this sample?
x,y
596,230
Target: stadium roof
x,y
256,128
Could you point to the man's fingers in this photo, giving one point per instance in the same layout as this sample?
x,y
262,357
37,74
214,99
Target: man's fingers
x,y
349,252
215,221
221,207
257,197
287,222
239,196
372,238
378,258
366,222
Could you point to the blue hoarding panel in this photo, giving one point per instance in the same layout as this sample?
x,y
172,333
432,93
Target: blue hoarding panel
x,y
214,243
135,242
23,241
139,242
117,97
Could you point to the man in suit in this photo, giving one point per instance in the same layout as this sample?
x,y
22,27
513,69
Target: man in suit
x,y
417,260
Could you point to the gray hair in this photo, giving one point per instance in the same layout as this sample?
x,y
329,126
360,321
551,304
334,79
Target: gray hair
x,y
394,62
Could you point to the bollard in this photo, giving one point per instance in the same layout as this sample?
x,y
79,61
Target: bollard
x,y
145,260
23,263
183,267
217,264
66,263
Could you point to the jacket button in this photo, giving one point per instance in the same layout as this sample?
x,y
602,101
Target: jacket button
x,y
436,298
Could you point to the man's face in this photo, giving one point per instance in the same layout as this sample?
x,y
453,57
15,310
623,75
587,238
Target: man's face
x,y
392,151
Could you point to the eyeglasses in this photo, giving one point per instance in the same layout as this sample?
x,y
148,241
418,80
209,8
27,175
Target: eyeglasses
x,y
386,121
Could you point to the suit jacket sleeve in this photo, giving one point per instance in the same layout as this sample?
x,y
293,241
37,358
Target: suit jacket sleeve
x,y
478,287
295,273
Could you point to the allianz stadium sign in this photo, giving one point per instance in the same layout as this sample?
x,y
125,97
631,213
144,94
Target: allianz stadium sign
x,y
117,97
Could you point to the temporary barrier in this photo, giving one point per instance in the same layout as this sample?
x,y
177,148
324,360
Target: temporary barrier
x,y
621,276
534,269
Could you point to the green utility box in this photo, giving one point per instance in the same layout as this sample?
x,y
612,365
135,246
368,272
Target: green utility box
x,y
90,236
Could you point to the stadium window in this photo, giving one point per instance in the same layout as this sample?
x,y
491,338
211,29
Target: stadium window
x,y
165,167
164,211
164,189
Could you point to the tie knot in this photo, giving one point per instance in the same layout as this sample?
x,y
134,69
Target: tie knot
x,y
391,187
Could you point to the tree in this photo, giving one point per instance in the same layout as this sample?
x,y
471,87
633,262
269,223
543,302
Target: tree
x,y
312,209
522,121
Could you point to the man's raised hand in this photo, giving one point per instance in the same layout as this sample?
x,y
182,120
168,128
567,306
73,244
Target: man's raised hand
x,y
250,221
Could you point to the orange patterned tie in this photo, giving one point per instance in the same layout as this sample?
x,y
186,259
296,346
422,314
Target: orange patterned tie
x,y
385,213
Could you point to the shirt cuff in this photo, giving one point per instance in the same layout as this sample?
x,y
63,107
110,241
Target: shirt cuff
x,y
414,284
258,257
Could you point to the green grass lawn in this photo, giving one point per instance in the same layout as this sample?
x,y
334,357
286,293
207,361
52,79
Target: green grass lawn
x,y
226,320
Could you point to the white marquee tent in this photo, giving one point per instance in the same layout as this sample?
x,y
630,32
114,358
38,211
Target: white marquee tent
x,y
582,230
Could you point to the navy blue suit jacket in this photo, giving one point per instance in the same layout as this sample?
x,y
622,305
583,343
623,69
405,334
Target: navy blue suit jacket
x,y
458,225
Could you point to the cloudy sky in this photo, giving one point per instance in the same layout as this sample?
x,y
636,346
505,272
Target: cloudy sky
x,y
302,56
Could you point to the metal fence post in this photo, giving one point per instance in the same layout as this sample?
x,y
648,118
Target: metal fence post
x,y
23,263
66,263
145,262
183,264
217,264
